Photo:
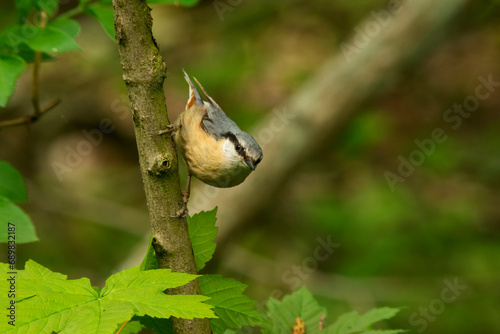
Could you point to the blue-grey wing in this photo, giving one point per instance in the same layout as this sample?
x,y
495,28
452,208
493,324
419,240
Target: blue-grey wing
x,y
217,124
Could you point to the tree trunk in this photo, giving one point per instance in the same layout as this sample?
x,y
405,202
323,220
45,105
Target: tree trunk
x,y
144,72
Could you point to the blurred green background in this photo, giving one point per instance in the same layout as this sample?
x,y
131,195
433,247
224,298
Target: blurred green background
x,y
395,248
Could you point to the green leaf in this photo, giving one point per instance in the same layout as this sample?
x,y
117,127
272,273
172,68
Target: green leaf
x,y
202,232
232,307
230,331
51,40
352,322
144,291
12,37
383,331
12,184
68,26
103,14
160,326
24,7
150,261
49,6
29,55
11,68
12,42
301,304
187,3
24,229
132,327
47,301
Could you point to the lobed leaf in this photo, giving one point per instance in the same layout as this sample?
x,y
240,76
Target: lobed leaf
x,y
384,331
160,326
352,322
132,327
150,261
202,232
301,304
47,301
144,291
233,308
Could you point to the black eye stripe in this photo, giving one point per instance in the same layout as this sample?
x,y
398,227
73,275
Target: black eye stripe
x,y
231,137
237,146
240,149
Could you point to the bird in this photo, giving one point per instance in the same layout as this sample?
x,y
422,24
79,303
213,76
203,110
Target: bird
x,y
215,149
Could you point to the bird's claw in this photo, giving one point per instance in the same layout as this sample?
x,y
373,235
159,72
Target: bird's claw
x,y
183,212
170,129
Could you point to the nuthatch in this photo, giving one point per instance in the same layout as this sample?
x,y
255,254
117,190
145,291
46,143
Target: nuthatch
x,y
215,149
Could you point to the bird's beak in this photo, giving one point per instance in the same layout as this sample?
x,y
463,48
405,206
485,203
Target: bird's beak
x,y
250,164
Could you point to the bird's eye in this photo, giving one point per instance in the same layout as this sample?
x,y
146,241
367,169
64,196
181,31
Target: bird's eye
x,y
238,147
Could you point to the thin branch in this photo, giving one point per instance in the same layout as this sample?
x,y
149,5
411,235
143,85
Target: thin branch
x,y
123,326
50,106
35,92
72,12
29,119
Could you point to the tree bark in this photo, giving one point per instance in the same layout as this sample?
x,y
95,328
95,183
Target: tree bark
x,y
144,73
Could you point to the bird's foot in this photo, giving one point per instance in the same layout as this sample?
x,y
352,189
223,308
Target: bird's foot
x,y
183,212
171,129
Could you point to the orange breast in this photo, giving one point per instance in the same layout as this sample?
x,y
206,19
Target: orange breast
x,y
203,154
